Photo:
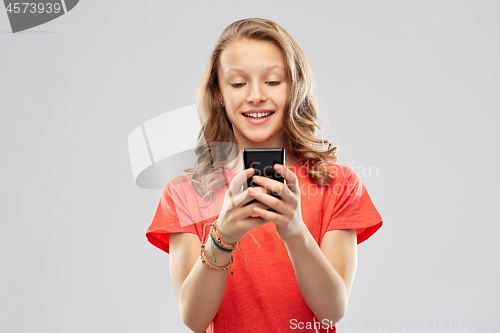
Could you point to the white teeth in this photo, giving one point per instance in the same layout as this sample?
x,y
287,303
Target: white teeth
x,y
257,115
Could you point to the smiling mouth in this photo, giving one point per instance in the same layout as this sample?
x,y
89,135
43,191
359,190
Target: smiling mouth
x,y
257,115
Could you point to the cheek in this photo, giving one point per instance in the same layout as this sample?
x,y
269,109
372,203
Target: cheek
x,y
281,96
280,122
231,116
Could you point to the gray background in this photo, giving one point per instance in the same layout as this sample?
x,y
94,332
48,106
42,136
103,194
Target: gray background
x,y
410,88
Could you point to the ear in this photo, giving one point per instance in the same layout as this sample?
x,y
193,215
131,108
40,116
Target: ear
x,y
217,93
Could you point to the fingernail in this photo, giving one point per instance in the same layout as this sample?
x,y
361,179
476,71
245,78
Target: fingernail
x,y
256,178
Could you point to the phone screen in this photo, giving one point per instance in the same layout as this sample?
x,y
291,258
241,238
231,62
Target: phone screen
x,y
263,161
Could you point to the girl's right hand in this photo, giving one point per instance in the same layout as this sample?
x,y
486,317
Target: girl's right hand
x,y
235,218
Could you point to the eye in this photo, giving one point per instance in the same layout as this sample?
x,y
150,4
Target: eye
x,y
237,85
273,83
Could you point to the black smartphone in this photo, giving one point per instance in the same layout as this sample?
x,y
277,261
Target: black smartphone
x,y
262,160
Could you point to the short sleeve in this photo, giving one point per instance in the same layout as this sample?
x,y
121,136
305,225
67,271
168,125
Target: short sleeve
x,y
171,216
353,208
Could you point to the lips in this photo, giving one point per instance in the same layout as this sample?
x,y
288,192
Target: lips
x,y
257,117
257,114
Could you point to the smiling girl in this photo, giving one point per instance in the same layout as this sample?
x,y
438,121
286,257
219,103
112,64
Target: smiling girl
x,y
256,93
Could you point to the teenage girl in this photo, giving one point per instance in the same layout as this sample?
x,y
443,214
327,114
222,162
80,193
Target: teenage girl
x,y
295,266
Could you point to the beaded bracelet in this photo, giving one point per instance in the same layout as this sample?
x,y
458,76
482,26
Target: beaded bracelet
x,y
217,241
220,244
205,261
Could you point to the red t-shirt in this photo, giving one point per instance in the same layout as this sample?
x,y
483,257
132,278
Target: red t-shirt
x,y
266,298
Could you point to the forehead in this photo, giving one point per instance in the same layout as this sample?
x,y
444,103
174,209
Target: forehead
x,y
251,56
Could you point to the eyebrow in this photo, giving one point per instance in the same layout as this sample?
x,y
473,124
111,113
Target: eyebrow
x,y
267,69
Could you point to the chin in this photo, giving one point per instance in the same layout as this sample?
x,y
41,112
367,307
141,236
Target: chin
x,y
258,139
261,138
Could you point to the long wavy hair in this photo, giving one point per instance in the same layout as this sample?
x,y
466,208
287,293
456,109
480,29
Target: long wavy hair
x,y
300,115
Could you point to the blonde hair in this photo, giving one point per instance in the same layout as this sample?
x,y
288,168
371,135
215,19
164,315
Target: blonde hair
x,y
300,114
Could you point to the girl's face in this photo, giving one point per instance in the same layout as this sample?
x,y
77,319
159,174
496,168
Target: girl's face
x,y
254,89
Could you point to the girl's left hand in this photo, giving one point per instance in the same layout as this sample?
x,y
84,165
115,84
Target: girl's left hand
x,y
288,217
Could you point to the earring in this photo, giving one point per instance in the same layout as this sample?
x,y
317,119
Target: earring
x,y
221,103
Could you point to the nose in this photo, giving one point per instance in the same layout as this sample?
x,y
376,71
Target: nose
x,y
256,95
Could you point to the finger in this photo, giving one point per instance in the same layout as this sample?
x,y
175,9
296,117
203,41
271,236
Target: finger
x,y
291,179
235,190
275,186
268,200
240,179
252,222
244,213
244,198
233,204
267,215
248,211
278,204
286,196
269,184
